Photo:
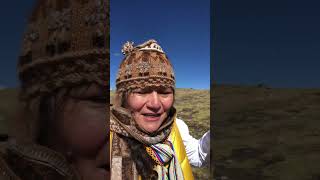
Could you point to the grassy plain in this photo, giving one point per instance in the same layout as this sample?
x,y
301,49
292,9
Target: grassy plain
x,y
263,133
8,104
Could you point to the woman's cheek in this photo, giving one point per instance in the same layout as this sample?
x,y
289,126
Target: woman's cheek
x,y
167,103
85,129
136,102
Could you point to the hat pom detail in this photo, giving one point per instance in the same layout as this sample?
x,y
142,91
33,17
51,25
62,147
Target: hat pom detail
x,y
127,48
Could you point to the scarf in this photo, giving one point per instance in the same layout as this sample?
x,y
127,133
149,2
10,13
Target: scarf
x,y
157,145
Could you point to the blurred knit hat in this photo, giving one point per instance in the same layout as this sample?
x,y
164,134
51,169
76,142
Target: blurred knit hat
x,y
66,43
145,65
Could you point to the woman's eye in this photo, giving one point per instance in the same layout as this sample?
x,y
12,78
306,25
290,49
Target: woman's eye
x,y
165,92
141,92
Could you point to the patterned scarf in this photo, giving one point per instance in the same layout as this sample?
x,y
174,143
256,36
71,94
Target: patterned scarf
x,y
168,166
157,146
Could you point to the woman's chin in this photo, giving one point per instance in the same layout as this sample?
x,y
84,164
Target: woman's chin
x,y
151,127
150,124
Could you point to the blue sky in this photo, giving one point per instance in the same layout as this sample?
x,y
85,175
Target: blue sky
x,y
272,42
13,18
181,27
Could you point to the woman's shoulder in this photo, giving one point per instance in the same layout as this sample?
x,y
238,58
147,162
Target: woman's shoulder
x,y
15,165
180,122
6,170
182,126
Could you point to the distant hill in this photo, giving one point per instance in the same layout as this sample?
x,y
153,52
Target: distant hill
x,y
263,133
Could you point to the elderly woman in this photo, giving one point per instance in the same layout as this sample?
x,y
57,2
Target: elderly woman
x,y
62,132
147,140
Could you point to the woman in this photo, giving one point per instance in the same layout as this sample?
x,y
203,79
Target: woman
x,y
147,141
62,132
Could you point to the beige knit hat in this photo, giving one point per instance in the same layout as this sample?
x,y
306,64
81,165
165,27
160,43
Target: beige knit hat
x,y
143,66
66,43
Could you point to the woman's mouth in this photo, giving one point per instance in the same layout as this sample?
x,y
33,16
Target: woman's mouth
x,y
152,116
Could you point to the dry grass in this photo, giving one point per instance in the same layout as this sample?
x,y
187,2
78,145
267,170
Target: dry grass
x,y
8,104
263,133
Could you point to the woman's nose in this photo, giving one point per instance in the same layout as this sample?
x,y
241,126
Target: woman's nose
x,y
154,101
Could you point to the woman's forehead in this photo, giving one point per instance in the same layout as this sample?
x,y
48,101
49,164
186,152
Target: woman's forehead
x,y
153,88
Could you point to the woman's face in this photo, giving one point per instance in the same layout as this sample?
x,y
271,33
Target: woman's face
x,y
150,107
83,131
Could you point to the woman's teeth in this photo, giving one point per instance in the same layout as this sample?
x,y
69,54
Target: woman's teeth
x,y
152,115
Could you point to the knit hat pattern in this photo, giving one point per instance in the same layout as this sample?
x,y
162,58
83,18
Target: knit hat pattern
x,y
145,65
66,43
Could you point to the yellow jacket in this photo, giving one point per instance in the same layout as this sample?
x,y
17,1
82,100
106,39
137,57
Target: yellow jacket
x,y
180,151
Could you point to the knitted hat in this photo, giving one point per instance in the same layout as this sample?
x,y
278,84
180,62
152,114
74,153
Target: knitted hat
x,y
143,66
66,43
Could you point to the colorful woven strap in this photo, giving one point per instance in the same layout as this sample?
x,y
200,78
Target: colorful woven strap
x,y
168,166
160,153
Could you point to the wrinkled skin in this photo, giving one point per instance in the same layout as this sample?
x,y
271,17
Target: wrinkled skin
x,y
83,133
150,107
